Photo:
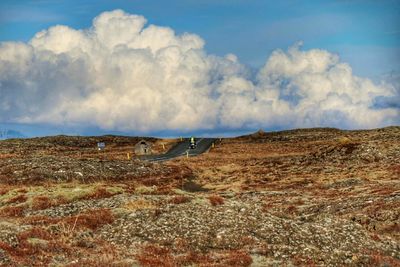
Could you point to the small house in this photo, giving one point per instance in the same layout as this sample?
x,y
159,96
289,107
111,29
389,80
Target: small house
x,y
143,148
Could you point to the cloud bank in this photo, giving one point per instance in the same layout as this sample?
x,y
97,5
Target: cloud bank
x,y
122,74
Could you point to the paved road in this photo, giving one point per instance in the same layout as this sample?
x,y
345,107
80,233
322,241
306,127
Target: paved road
x,y
180,149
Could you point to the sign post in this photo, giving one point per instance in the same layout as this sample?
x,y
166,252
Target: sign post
x,y
101,146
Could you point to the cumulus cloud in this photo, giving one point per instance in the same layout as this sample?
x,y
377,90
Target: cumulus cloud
x,y
122,74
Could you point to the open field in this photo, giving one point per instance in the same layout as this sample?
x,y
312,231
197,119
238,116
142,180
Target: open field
x,y
310,197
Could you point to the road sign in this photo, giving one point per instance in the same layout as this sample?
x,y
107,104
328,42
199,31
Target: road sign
x,y
101,145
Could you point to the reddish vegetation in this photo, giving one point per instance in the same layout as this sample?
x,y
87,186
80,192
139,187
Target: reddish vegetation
x,y
216,200
179,200
192,257
43,202
91,219
40,220
291,209
155,256
12,211
22,190
176,176
27,253
238,258
4,191
377,259
50,244
17,199
35,232
395,169
5,247
302,261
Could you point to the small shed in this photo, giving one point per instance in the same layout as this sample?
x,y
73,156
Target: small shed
x,y
143,147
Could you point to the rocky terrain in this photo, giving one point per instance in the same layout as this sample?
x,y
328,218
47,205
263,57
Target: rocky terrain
x,y
307,197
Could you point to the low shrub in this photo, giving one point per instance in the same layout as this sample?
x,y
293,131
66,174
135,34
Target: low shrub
x,y
179,200
238,258
44,202
13,211
35,232
216,200
17,199
92,219
291,209
155,256
4,191
99,193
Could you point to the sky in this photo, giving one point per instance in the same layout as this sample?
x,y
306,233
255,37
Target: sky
x,y
209,67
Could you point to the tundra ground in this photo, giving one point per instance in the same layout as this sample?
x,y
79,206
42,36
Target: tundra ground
x,y
322,197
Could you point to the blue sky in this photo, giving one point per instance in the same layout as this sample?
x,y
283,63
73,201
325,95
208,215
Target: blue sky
x,y
364,33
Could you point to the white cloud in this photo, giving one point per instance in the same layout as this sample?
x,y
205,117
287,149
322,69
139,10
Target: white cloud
x,y
122,75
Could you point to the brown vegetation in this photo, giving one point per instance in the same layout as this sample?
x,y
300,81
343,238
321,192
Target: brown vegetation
x,y
179,200
12,211
152,255
17,199
91,219
155,255
216,200
44,202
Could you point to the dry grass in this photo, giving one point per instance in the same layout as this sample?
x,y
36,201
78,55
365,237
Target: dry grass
x,y
344,140
99,193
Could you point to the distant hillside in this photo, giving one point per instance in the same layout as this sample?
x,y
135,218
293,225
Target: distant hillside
x,y
8,134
